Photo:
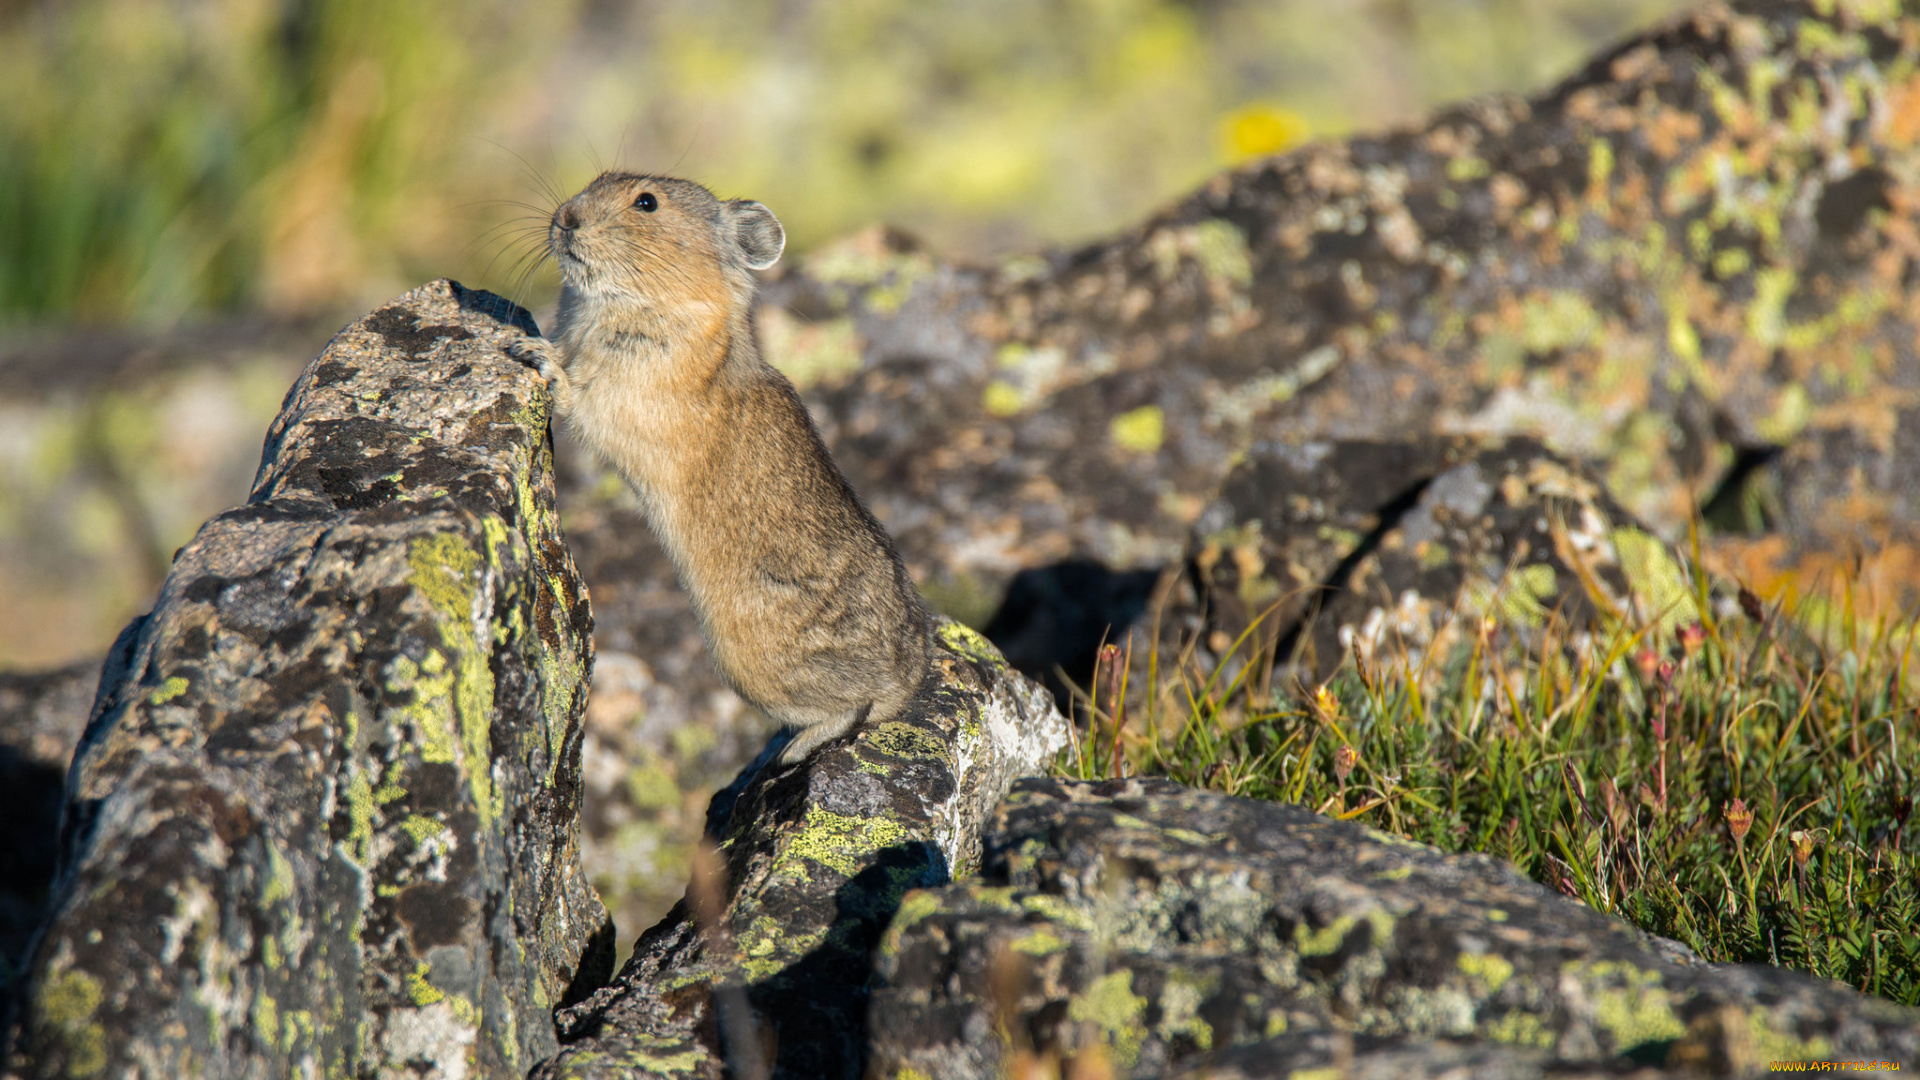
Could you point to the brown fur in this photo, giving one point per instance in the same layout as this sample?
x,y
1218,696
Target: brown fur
x,y
807,609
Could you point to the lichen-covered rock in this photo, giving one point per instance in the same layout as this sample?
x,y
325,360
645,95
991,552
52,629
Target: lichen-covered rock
x,y
41,714
1694,250
1163,928
1392,549
324,819
771,968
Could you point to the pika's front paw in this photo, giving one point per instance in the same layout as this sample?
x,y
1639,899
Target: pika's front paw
x,y
539,354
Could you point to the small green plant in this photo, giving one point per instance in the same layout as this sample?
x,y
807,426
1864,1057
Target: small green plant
x,y
1741,783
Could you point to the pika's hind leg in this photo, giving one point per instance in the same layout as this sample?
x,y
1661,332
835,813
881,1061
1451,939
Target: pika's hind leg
x,y
813,736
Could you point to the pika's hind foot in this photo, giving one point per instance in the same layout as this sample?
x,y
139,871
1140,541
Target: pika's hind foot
x,y
812,737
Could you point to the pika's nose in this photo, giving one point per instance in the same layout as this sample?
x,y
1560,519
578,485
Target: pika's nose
x,y
567,218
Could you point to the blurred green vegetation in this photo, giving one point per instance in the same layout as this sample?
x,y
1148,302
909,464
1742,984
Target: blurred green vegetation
x,y
160,158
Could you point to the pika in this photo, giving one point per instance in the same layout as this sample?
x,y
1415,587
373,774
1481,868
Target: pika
x,y
807,609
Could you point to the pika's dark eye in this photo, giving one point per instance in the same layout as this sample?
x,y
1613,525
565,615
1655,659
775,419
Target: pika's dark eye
x,y
647,202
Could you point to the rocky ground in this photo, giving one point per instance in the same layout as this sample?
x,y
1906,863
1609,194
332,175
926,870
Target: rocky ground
x,y
1484,361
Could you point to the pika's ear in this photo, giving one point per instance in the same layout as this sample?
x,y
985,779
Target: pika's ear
x,y
758,232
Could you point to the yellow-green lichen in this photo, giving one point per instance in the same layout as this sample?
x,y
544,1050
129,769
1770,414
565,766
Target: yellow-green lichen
x,y
767,948
900,740
360,810
1112,1006
1196,838
1489,970
1039,943
1776,1045
1519,1029
1001,399
651,783
421,828
1057,909
1324,941
67,1002
266,1015
1140,430
1629,1003
447,571
1657,581
1221,250
810,352
842,843
419,990
969,643
1180,1001
167,691
279,876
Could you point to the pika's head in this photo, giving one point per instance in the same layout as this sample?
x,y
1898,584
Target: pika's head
x,y
657,240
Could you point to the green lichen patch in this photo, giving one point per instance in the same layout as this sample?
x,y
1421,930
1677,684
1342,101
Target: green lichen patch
x,y
67,1003
454,703
841,842
969,643
900,740
1111,1005
172,688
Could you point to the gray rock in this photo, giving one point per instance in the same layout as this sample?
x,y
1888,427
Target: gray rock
x,y
324,819
1164,929
765,965
1392,549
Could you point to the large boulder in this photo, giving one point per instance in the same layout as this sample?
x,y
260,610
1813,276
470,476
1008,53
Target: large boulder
x,y
324,820
1160,929
764,968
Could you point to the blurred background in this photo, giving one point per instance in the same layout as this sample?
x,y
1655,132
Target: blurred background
x,y
195,193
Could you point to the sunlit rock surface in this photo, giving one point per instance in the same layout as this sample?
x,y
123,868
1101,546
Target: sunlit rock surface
x,y
325,818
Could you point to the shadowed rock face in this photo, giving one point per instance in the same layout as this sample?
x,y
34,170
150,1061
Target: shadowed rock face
x,y
323,820
40,720
1164,929
766,965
